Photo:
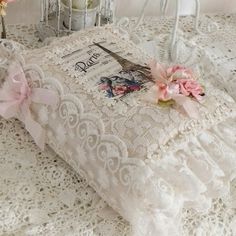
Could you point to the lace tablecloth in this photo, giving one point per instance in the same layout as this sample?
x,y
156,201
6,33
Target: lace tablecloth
x,y
41,195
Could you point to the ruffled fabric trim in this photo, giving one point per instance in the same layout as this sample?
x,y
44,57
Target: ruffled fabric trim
x,y
198,172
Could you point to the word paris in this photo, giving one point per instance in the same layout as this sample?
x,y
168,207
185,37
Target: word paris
x,y
84,66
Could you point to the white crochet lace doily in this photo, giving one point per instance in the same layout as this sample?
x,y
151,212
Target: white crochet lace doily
x,y
41,195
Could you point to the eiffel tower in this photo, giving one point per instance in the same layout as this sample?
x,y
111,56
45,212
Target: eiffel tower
x,y
128,66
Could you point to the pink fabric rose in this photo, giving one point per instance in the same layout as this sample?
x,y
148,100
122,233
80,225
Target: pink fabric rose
x,y
158,72
168,74
190,87
175,83
173,69
162,90
179,72
165,93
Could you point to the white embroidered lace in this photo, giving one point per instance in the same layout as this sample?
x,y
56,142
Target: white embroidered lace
x,y
53,187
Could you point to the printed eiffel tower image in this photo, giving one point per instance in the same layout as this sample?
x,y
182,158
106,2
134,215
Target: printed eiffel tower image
x,y
128,66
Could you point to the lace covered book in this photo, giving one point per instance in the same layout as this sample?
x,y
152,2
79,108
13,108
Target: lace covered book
x,y
148,161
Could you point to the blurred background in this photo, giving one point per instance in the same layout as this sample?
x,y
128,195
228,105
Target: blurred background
x,y
28,11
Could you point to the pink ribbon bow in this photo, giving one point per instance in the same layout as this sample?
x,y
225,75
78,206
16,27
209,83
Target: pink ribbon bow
x,y
16,96
175,83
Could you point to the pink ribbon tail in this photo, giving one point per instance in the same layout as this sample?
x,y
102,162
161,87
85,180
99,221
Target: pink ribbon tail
x,y
44,96
41,96
34,128
16,98
189,106
8,109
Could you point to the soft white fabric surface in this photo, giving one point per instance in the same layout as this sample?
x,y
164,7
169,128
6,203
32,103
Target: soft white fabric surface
x,y
205,224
